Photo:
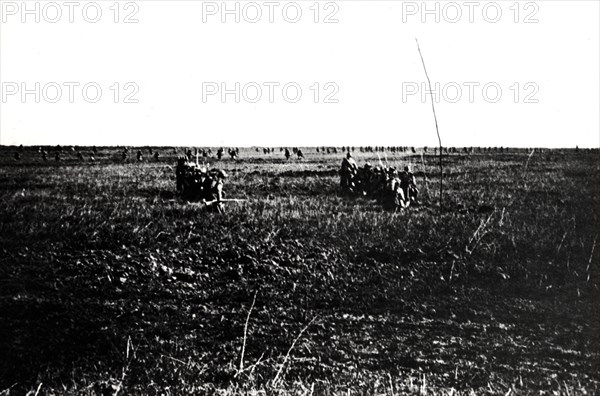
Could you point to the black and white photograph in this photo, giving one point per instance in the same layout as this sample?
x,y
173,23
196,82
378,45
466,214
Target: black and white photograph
x,y
309,197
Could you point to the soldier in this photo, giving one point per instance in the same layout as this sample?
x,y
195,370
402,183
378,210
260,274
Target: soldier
x,y
300,155
287,154
348,172
139,156
393,196
192,183
156,156
220,153
213,191
378,179
180,173
363,178
409,186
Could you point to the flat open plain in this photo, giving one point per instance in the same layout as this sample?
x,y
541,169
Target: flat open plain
x,y
110,284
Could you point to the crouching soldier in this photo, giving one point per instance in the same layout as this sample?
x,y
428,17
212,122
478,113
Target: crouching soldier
x,y
213,191
348,172
364,177
408,184
392,196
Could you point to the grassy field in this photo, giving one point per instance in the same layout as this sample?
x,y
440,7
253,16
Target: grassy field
x,y
109,284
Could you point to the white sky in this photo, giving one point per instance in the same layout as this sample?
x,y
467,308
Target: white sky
x,y
370,54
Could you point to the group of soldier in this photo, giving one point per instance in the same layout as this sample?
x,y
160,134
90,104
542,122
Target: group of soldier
x,y
59,153
197,183
392,188
139,155
297,152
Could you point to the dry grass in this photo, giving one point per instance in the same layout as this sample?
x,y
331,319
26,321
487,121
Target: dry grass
x,y
498,294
